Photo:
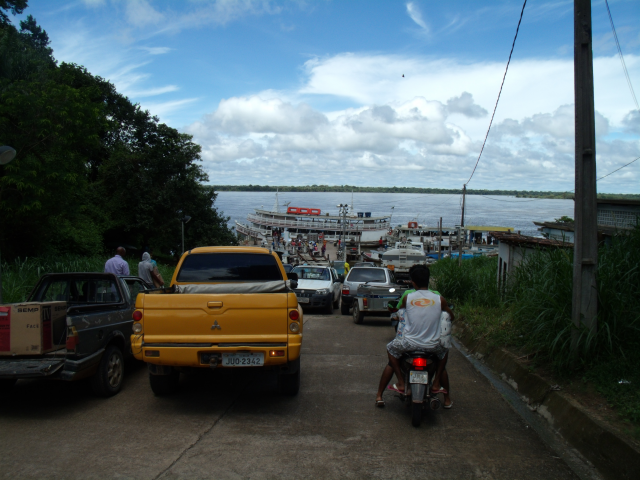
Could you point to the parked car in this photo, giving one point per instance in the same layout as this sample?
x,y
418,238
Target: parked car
x,y
318,287
226,307
364,264
287,267
94,340
359,275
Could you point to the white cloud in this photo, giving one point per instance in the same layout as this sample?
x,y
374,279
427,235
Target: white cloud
x,y
163,109
416,16
156,50
254,114
423,130
152,92
141,13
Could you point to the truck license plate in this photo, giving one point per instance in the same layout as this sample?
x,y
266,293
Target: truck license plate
x,y
242,359
303,300
418,377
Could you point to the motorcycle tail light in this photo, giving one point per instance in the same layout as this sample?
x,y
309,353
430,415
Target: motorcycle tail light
x,y
419,362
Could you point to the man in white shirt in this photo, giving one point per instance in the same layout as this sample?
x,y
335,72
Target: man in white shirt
x,y
421,332
117,265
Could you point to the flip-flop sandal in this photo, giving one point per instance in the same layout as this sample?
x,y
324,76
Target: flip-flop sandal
x,y
448,406
380,403
435,392
396,389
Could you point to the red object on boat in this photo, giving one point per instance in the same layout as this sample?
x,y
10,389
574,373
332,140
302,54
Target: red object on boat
x,y
413,224
303,211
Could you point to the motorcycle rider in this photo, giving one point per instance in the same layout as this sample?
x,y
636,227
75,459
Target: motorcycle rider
x,y
421,332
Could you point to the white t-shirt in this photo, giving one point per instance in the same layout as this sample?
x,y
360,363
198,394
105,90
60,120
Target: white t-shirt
x,y
422,319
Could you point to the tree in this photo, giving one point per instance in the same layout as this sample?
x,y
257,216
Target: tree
x,y
15,6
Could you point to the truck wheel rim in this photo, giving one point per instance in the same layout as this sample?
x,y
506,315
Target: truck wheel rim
x,y
114,372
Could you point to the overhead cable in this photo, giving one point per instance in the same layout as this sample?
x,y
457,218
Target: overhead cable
x,y
626,165
624,65
500,92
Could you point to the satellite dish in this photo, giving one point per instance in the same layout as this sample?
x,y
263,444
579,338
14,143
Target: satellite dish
x,y
6,155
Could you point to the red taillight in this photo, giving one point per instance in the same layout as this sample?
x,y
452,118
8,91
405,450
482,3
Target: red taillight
x,y
72,342
365,303
137,315
419,362
294,314
346,290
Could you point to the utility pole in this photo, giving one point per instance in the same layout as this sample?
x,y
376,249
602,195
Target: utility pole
x,y
461,231
585,248
342,209
440,239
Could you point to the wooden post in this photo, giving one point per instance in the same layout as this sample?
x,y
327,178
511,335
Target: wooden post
x,y
461,243
440,240
585,252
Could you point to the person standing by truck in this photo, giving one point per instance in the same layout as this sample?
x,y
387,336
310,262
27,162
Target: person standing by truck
x,y
117,264
147,271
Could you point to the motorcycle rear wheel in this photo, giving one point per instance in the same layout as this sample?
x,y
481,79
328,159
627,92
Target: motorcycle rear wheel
x,y
416,414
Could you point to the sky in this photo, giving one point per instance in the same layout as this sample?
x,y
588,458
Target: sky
x,y
368,93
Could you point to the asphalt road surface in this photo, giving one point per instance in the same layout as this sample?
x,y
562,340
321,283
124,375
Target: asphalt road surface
x,y
234,424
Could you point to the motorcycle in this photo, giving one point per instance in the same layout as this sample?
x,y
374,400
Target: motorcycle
x,y
419,369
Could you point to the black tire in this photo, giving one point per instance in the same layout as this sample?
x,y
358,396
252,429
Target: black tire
x,y
416,414
6,384
107,381
358,316
164,384
344,308
329,308
289,383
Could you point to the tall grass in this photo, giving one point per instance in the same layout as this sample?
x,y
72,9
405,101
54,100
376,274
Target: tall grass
x,y
540,294
474,282
20,276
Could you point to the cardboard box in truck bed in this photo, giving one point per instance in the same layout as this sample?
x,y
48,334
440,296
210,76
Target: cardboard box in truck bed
x,y
32,328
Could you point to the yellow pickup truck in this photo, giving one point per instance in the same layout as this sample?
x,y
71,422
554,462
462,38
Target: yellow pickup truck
x,y
226,307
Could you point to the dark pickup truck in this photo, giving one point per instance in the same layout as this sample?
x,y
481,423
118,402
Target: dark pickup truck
x,y
98,331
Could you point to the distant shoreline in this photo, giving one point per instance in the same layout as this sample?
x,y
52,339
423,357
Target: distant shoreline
x,y
348,188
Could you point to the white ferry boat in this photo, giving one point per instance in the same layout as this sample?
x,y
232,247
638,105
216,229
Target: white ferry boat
x,y
313,224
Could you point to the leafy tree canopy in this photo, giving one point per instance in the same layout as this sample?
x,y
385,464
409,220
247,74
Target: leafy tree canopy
x,y
92,169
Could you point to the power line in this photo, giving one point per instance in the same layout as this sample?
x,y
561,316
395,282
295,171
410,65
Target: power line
x,y
500,92
626,165
624,65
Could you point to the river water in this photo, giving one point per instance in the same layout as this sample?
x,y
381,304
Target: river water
x,y
503,211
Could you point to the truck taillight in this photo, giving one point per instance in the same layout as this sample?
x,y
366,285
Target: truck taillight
x,y
345,290
72,338
294,314
137,315
365,303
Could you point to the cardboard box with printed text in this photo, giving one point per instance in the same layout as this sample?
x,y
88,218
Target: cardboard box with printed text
x,y
32,328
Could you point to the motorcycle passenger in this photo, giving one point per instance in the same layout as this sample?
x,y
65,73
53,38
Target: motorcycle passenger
x,y
421,332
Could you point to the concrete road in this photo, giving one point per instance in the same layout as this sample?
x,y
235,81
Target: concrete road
x,y
234,424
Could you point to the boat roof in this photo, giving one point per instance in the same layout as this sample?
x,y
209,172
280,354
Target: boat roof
x,y
324,215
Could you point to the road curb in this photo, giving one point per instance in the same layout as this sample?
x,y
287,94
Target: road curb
x,y
612,455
